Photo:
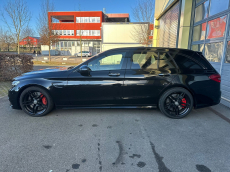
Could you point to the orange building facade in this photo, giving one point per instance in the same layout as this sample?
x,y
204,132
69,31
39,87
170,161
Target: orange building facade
x,y
74,27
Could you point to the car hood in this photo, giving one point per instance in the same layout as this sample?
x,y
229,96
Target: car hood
x,y
43,73
47,70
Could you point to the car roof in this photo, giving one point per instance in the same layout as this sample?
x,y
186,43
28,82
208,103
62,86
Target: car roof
x,y
151,48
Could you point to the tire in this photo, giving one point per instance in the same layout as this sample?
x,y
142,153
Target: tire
x,y
176,103
36,101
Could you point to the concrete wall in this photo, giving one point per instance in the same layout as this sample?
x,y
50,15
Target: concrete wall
x,y
117,35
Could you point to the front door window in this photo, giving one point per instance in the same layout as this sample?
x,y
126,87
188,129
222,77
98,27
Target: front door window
x,y
112,61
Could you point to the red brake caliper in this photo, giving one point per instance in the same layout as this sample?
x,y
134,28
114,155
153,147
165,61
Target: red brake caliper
x,y
44,100
183,101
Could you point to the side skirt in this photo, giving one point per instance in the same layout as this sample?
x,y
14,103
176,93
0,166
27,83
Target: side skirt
x,y
106,107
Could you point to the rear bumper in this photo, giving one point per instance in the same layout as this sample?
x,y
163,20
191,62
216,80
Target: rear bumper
x,y
206,101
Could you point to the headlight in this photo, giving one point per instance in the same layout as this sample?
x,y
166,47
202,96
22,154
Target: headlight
x,y
14,83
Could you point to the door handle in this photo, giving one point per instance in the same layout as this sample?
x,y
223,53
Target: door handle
x,y
114,74
164,74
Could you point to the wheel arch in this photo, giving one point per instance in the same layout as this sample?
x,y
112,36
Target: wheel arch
x,y
176,86
30,85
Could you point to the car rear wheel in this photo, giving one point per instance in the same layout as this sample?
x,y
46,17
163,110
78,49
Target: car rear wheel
x,y
176,103
36,101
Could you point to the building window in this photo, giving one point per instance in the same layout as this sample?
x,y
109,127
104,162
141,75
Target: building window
x,y
201,12
88,32
213,51
217,6
86,19
198,47
97,19
197,1
98,32
227,56
64,32
65,43
216,28
68,32
78,19
60,32
72,32
199,32
68,43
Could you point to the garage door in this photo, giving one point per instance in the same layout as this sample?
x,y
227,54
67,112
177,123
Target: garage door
x,y
167,35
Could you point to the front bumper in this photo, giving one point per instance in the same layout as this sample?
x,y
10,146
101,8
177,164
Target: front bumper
x,y
13,96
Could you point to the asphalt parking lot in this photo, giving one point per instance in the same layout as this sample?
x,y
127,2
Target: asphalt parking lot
x,y
114,140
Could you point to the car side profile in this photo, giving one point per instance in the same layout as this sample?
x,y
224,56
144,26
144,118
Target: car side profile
x,y
173,80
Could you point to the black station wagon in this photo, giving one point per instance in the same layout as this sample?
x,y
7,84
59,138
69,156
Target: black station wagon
x,y
174,80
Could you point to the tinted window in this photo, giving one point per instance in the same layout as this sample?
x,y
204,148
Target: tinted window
x,y
111,61
186,62
144,60
165,62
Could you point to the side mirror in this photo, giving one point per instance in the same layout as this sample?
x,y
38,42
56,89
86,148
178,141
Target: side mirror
x,y
84,70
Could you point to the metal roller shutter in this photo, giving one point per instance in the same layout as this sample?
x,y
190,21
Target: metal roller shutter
x,y
167,34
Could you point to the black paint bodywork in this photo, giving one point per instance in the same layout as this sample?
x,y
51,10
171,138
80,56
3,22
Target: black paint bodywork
x,y
132,88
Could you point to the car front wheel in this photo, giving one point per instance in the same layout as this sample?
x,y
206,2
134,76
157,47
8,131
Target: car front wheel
x,y
176,103
36,101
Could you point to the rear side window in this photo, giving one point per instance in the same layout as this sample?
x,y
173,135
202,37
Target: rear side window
x,y
144,60
201,59
186,62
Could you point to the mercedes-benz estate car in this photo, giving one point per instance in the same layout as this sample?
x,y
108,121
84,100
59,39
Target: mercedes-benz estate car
x,y
173,80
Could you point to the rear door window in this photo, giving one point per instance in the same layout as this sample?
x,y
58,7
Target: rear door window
x,y
144,60
166,62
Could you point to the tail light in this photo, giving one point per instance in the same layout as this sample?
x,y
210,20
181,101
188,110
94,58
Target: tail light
x,y
215,77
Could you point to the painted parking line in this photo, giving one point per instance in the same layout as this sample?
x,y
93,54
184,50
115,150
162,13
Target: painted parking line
x,y
220,115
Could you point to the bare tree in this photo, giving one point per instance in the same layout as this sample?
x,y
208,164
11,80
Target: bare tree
x,y
1,34
7,40
16,16
46,25
143,12
27,33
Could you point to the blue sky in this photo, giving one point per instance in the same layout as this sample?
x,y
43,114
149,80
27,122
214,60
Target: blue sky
x,y
112,6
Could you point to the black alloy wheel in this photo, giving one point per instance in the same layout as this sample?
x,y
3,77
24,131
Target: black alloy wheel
x,y
176,103
36,101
